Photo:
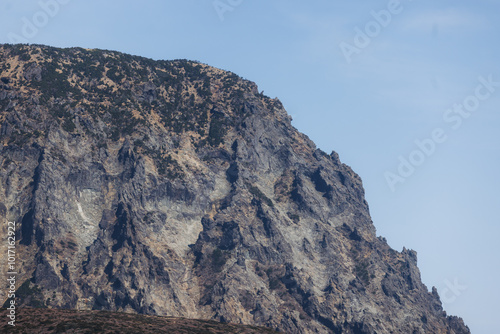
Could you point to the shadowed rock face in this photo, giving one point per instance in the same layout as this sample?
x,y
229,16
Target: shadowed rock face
x,y
174,188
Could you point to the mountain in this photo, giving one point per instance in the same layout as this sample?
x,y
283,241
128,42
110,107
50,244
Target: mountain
x,y
174,188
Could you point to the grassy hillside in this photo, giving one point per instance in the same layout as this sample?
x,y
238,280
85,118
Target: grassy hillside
x,y
39,321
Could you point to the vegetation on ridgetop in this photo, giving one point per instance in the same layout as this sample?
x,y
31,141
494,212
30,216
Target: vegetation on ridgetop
x,y
110,96
127,93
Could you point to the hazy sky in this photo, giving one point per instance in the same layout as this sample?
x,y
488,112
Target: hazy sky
x,y
407,92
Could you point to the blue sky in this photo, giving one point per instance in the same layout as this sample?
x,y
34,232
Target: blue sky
x,y
370,107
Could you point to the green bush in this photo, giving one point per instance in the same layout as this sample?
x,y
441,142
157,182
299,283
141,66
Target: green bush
x,y
218,259
256,192
68,125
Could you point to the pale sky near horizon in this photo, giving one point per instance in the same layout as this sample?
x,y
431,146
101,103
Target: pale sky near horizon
x,y
406,91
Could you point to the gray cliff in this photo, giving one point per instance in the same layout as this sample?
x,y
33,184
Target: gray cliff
x,y
175,188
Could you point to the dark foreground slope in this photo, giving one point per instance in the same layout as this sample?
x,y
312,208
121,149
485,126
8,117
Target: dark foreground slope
x,y
42,321
174,188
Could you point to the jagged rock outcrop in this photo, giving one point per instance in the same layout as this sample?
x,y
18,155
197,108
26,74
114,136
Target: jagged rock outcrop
x,y
174,188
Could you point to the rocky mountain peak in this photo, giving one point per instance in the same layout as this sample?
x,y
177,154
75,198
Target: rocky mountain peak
x,y
175,188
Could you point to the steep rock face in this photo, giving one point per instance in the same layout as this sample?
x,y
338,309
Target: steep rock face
x,y
174,188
